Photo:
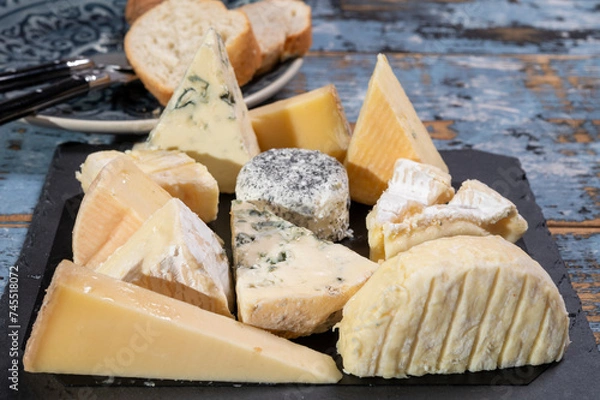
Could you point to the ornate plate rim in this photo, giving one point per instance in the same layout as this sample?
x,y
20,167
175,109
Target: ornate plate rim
x,y
143,126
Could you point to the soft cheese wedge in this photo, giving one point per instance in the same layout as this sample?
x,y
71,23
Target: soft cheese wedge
x,y
117,203
476,209
387,128
413,187
313,120
287,280
453,305
92,324
176,172
207,117
176,254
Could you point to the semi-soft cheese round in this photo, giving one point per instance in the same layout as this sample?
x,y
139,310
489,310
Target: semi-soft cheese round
x,y
305,187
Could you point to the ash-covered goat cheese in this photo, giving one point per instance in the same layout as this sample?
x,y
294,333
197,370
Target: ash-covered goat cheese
x,y
305,187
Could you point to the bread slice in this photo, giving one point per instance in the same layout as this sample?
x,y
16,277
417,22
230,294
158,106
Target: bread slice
x,y
135,8
162,42
282,27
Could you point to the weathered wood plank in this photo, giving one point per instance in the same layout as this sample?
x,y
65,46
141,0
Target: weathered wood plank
x,y
465,26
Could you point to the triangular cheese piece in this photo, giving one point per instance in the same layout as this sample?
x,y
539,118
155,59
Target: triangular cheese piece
x,y
287,280
452,305
207,117
176,254
92,324
413,187
387,128
174,171
118,201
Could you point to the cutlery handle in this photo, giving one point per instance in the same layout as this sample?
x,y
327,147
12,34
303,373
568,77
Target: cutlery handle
x,y
44,97
25,77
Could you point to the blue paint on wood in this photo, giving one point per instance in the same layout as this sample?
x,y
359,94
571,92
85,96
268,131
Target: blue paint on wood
x,y
11,241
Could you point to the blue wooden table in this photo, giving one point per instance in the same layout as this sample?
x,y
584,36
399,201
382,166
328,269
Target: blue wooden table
x,y
519,78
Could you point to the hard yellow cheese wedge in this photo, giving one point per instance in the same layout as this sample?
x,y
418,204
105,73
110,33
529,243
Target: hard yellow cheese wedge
x,y
453,305
118,201
413,187
176,254
313,120
287,280
176,172
207,117
387,128
93,324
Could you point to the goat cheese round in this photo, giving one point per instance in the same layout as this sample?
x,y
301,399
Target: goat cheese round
x,y
305,187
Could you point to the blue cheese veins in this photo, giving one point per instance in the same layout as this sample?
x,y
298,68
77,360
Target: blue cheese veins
x,y
288,281
306,187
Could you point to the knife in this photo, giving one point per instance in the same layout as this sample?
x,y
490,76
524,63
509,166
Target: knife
x,y
78,78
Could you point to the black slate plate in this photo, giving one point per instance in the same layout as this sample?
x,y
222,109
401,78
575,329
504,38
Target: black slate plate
x,y
49,240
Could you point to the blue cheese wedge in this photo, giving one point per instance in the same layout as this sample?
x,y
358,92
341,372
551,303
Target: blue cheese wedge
x,y
176,254
207,117
306,187
451,305
288,281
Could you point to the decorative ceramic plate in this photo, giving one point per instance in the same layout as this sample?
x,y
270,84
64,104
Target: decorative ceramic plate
x,y
33,32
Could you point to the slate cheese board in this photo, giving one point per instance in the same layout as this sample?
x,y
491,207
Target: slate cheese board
x,y
49,241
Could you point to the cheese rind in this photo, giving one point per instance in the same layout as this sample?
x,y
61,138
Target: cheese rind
x,y
413,187
176,172
176,254
287,280
118,201
313,120
387,128
92,324
305,187
207,117
451,305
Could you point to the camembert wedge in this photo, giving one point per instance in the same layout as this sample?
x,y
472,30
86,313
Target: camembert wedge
x,y
313,120
452,305
287,280
413,187
176,254
476,210
117,203
92,324
176,172
387,128
207,117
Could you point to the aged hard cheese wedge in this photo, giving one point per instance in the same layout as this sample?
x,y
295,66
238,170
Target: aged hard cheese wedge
x,y
176,254
413,187
453,305
313,120
387,128
118,201
287,280
92,324
306,187
207,117
176,172
476,209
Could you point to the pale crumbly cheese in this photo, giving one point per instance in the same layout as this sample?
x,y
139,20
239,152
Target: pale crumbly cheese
x,y
92,324
476,209
176,254
452,305
413,187
176,172
287,280
207,117
118,201
305,187
387,128
313,120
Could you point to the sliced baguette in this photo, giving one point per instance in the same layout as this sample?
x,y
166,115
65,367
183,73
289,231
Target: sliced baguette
x,y
283,29
162,42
